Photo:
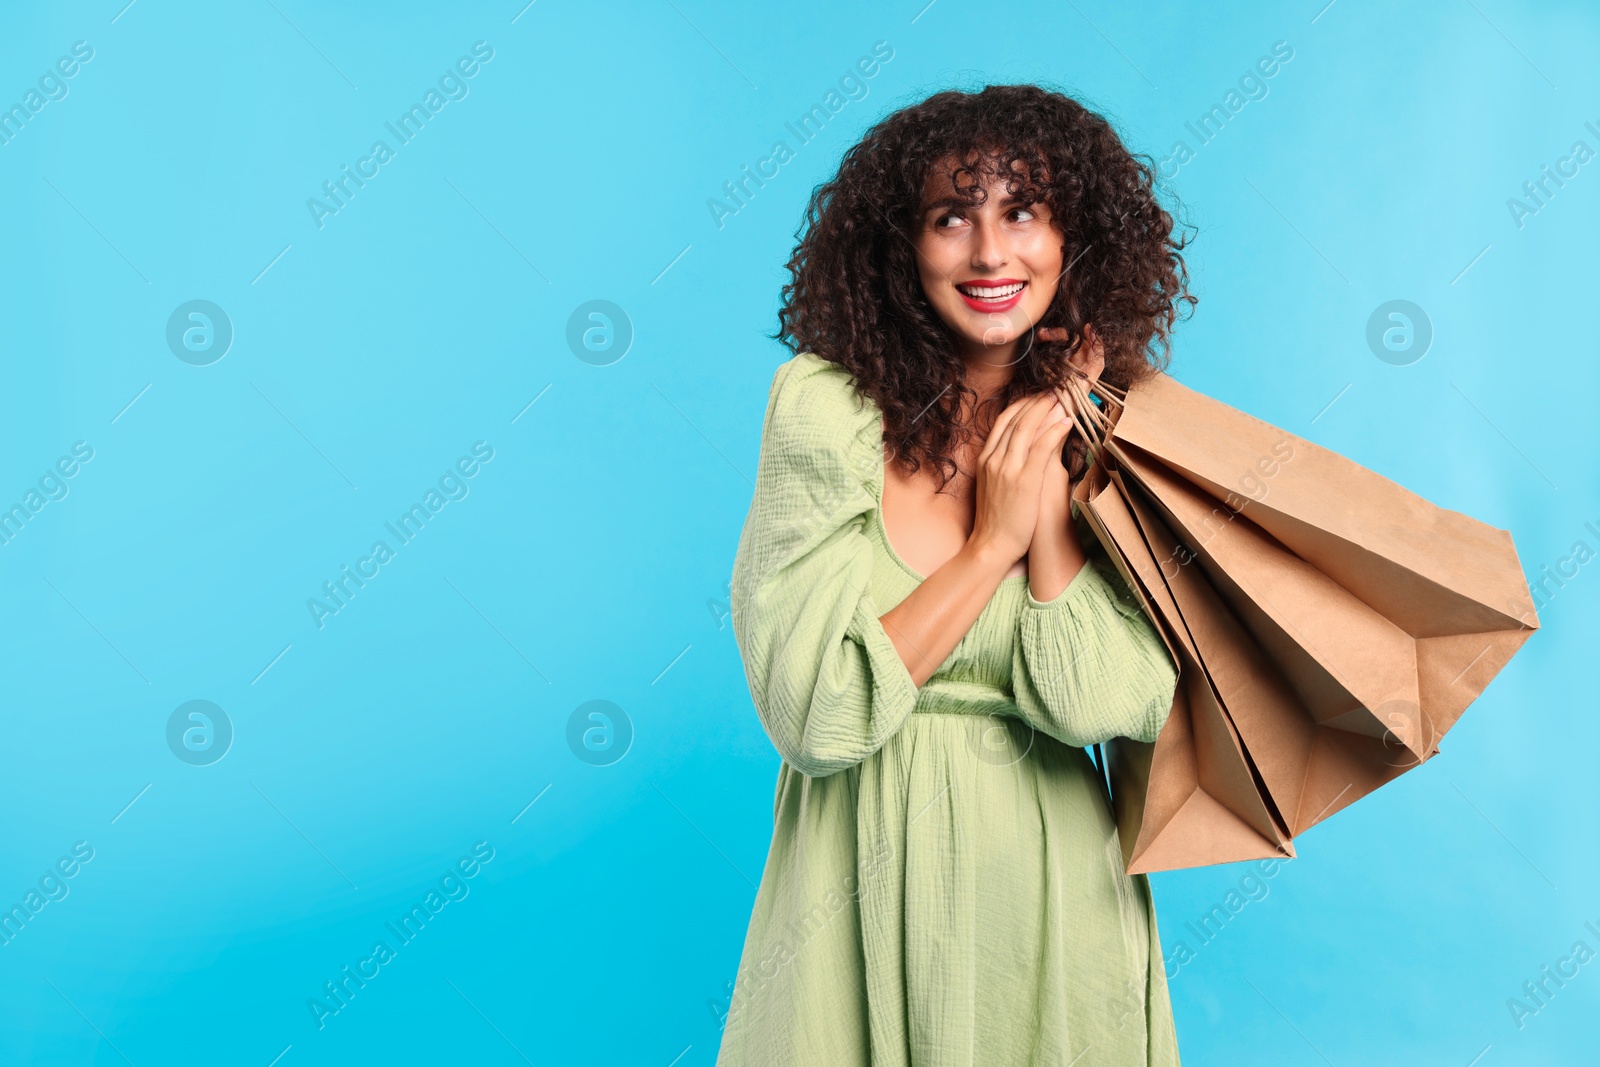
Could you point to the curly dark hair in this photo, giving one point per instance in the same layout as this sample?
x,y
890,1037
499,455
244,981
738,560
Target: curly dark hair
x,y
855,297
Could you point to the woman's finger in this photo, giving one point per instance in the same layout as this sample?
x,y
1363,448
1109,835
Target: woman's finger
x,y
1023,426
1040,406
1045,451
1018,410
997,432
1013,432
1048,443
1012,411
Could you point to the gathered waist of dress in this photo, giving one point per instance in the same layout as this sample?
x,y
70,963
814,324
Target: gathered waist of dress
x,y
946,696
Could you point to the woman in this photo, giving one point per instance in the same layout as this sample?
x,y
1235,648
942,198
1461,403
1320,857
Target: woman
x,y
930,633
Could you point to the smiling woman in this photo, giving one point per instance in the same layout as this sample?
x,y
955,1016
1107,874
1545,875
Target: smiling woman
x,y
958,244
945,884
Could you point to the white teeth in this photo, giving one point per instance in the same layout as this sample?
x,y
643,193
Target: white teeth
x,y
1001,292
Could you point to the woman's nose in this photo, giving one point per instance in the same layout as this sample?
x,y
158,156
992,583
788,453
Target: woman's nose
x,y
988,250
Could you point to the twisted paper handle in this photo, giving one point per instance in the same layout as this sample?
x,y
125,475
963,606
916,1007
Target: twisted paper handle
x,y
1092,423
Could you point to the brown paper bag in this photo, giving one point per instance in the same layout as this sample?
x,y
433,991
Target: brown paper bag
x,y
1329,625
1206,795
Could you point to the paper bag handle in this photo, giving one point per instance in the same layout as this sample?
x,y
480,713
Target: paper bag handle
x,y
1092,423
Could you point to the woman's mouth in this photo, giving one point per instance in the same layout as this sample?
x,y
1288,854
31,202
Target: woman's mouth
x,y
992,294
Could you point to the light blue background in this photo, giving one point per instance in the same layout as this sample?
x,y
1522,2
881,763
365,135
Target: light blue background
x,y
590,558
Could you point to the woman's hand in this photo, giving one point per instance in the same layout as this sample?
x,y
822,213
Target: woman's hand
x,y
1010,474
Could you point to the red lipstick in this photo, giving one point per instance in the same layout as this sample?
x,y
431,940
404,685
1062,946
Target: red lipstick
x,y
995,294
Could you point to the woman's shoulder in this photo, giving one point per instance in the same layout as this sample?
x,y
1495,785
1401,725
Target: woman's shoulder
x,y
814,385
814,409
816,395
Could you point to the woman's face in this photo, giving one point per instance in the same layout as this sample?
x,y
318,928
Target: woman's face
x,y
989,271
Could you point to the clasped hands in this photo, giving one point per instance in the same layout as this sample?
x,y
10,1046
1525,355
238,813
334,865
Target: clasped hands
x,y
1023,487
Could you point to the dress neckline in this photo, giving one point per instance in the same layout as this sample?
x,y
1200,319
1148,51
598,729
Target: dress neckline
x,y
883,529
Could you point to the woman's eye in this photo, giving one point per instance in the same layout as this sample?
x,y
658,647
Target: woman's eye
x,y
939,223
1026,213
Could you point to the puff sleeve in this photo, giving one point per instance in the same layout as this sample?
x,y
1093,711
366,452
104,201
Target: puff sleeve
x,y
1089,665
827,684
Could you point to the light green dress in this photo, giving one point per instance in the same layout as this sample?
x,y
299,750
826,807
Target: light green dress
x,y
944,886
